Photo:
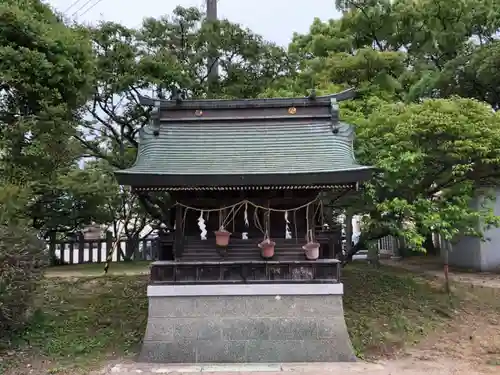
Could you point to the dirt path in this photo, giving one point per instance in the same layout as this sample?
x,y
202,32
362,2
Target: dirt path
x,y
473,337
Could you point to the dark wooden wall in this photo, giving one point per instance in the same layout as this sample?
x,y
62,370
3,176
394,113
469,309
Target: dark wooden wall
x,y
237,226
286,200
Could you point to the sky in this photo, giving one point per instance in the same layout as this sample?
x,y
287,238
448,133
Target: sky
x,y
275,20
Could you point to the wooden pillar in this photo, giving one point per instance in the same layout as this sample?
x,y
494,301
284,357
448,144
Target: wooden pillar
x,y
330,249
348,231
164,246
179,235
52,251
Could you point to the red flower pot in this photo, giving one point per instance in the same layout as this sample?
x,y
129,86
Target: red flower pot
x,y
267,248
311,250
222,237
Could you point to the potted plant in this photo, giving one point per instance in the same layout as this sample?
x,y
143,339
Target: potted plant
x,y
267,248
222,237
311,248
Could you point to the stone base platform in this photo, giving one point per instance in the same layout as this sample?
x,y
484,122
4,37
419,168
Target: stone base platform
x,y
257,323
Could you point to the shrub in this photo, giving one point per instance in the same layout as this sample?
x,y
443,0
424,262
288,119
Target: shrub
x,y
22,260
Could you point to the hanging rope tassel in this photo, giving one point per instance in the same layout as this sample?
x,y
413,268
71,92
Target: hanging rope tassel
x,y
288,233
245,217
202,226
244,235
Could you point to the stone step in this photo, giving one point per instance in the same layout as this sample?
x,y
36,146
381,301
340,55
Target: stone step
x,y
400,367
190,252
245,243
239,249
230,257
243,249
240,254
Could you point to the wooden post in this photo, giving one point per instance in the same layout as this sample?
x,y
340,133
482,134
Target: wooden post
x,y
52,250
330,253
348,231
81,248
158,245
337,243
99,250
145,247
71,246
179,236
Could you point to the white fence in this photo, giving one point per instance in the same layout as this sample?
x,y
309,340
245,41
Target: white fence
x,y
387,246
96,251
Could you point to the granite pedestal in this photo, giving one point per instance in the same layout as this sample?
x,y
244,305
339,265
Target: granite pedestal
x,y
264,323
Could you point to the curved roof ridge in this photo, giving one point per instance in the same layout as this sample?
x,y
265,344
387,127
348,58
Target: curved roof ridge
x,y
318,101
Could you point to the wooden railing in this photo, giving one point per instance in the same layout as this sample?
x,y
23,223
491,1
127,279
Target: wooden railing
x,y
245,272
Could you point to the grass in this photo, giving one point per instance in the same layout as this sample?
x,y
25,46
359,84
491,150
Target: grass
x,y
387,308
83,321
97,269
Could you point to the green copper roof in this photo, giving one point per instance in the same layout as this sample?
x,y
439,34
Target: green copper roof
x,y
243,142
245,148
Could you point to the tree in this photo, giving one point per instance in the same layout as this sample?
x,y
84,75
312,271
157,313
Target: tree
x,y
120,207
160,58
472,75
397,53
403,52
432,158
44,68
78,197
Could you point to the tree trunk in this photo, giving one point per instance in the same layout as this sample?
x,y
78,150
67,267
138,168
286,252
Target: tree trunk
x,y
373,254
131,248
429,245
446,268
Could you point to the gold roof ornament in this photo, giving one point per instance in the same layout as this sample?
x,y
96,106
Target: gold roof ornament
x,y
292,110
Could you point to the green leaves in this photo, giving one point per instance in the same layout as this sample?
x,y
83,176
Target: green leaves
x,y
406,50
159,57
433,157
45,75
41,59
